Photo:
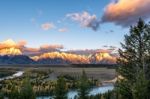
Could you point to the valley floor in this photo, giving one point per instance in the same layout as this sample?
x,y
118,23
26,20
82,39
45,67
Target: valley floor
x,y
100,73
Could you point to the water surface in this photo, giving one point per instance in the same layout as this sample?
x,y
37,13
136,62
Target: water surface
x,y
96,90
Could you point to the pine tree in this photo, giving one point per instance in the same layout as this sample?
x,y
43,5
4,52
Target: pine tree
x,y
60,89
14,93
140,90
26,91
134,61
83,86
1,95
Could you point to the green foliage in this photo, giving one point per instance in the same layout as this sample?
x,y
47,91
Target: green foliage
x,y
26,91
123,87
14,94
83,86
140,87
134,63
1,95
60,89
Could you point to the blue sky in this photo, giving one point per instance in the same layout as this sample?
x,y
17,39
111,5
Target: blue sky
x,y
23,20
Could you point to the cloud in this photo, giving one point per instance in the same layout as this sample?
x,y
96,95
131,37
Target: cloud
x,y
83,51
63,30
105,49
111,49
56,46
126,12
42,49
10,43
85,20
7,45
109,46
47,26
22,43
30,51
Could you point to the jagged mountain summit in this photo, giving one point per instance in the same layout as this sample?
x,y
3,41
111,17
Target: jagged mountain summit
x,y
13,53
9,47
102,58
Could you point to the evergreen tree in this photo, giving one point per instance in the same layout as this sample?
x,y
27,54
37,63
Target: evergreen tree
x,y
26,91
14,93
1,95
83,86
140,87
134,62
60,89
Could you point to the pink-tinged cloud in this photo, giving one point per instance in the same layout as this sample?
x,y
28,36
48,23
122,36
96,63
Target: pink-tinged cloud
x,y
47,26
42,49
10,43
22,43
11,47
126,12
63,30
50,47
85,19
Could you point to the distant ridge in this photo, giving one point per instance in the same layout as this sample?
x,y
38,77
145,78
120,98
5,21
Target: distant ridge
x,y
16,53
23,59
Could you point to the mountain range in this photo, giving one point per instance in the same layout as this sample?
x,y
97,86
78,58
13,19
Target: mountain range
x,y
18,53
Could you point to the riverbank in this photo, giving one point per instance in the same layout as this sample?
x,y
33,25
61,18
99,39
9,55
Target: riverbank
x,y
17,74
94,91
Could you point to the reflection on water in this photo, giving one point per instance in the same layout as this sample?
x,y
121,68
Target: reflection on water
x,y
94,91
102,89
18,74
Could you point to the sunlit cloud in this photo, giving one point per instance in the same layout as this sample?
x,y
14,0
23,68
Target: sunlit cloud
x,y
120,12
85,19
126,12
22,43
10,43
10,46
47,26
42,49
54,46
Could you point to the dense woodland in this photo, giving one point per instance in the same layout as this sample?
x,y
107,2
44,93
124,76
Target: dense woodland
x,y
133,74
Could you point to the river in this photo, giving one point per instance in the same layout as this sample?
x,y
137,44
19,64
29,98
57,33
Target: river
x,y
17,74
97,90
72,93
